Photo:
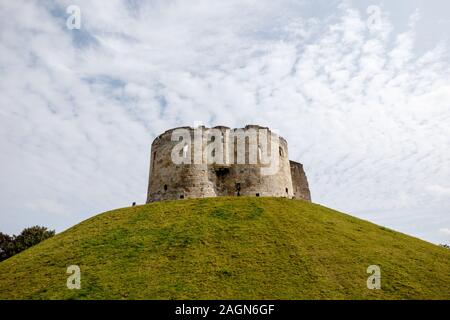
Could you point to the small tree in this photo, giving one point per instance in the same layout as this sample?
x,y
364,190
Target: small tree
x,y
6,246
11,245
32,236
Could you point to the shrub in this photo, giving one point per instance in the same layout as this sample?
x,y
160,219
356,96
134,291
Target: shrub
x,y
11,245
6,246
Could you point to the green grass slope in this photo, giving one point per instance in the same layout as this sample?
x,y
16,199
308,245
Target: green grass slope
x,y
228,248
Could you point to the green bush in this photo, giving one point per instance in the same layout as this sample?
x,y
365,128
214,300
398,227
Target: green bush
x,y
11,245
6,246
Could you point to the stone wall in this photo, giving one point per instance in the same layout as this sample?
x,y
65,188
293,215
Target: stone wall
x,y
299,182
178,181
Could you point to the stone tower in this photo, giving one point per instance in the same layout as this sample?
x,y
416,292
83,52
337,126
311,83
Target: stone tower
x,y
219,161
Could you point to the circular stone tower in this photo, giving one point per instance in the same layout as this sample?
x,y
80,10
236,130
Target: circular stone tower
x,y
209,162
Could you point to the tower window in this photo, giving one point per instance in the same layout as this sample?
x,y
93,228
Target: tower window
x,y
165,187
287,190
281,151
154,160
259,153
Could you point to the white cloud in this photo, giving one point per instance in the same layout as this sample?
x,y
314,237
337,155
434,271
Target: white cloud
x,y
439,190
50,206
363,110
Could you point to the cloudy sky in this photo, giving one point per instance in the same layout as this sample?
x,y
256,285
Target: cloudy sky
x,y
360,89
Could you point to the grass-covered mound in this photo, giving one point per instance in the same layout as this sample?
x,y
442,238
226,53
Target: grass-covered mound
x,y
228,248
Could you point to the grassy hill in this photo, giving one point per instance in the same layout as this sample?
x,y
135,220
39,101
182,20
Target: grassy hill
x,y
228,248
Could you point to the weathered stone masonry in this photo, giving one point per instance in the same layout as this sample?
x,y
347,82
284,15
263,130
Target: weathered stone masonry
x,y
180,181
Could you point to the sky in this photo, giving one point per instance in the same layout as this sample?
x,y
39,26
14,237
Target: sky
x,y
359,89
